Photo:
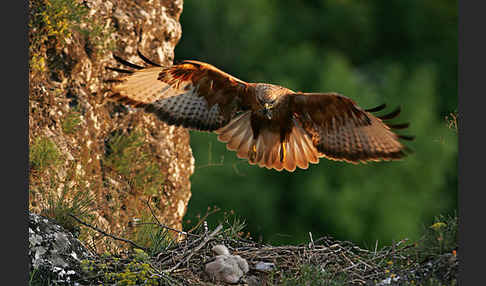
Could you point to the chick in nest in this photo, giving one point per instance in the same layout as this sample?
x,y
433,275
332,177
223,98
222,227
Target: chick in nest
x,y
226,267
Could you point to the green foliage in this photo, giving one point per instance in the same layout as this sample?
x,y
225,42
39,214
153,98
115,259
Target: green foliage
x,y
99,37
153,237
439,238
71,122
52,23
51,20
150,178
43,153
452,119
36,278
233,226
398,53
125,155
431,260
135,270
70,201
437,282
59,17
311,275
123,151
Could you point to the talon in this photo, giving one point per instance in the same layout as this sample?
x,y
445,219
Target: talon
x,y
252,154
283,152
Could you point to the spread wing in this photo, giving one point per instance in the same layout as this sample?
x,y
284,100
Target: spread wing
x,y
199,96
341,130
193,94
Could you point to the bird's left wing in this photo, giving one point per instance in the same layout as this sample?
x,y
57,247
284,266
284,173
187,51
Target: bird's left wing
x,y
341,130
192,94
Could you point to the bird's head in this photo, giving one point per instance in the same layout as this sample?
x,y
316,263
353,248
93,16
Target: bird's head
x,y
267,109
267,96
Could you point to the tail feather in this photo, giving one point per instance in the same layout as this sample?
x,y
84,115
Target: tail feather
x,y
267,150
245,146
275,161
300,159
237,139
309,152
227,132
271,141
289,155
260,150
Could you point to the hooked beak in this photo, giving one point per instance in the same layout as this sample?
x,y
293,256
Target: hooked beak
x,y
267,111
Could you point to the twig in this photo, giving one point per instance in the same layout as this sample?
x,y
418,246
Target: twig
x,y
203,219
107,234
206,239
311,244
163,225
167,227
152,212
210,159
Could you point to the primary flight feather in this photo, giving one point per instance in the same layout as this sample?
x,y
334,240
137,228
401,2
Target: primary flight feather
x,y
269,125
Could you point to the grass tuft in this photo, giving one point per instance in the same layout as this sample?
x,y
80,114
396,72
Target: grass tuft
x,y
71,122
43,153
311,275
76,202
452,120
439,238
125,155
233,226
155,238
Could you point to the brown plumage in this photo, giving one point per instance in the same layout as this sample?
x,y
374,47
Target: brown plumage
x,y
269,125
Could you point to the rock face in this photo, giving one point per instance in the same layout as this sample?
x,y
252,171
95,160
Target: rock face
x,y
53,251
107,159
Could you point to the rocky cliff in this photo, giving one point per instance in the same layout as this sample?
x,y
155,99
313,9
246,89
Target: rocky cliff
x,y
101,160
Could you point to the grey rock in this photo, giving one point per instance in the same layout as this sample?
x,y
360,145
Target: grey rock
x,y
264,266
53,251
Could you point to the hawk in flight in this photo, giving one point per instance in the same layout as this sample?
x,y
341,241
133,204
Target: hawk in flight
x,y
269,125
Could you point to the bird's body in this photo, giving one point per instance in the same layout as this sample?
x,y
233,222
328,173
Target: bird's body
x,y
269,125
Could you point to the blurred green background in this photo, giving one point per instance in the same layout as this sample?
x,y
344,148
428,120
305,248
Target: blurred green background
x,y
396,52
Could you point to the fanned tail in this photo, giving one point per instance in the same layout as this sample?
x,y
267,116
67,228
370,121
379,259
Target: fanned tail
x,y
267,150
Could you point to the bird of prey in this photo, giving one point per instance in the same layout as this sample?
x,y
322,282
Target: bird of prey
x,y
269,125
